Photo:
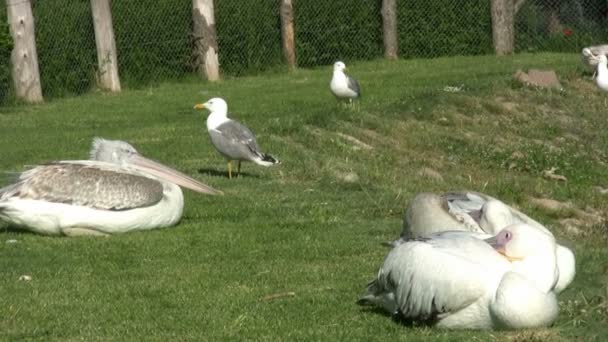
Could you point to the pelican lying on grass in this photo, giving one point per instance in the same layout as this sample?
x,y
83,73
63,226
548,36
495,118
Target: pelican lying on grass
x,y
231,139
474,212
116,192
456,281
343,86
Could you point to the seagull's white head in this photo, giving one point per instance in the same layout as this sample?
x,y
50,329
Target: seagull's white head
x,y
216,106
339,66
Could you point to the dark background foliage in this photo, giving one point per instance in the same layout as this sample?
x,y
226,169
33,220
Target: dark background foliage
x,y
154,41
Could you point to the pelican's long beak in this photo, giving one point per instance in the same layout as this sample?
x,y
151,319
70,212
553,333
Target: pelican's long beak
x,y
500,248
171,175
200,106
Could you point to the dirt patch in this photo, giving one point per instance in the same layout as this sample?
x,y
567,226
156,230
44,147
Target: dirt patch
x,y
538,78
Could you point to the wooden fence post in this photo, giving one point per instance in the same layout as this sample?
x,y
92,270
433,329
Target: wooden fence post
x,y
205,40
24,58
287,33
107,62
503,25
389,29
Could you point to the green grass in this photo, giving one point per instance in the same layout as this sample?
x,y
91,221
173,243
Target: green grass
x,y
312,226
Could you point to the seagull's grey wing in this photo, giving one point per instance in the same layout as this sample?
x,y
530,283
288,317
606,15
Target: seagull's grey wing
x,y
235,140
353,85
100,187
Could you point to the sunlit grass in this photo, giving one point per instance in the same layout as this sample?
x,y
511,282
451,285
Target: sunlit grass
x,y
308,231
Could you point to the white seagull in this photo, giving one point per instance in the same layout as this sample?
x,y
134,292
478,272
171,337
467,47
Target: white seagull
x,y
118,191
602,73
477,213
232,139
453,280
342,86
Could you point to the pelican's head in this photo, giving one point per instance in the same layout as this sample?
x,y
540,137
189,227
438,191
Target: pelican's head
x,y
532,253
518,242
587,52
112,151
216,105
339,66
123,154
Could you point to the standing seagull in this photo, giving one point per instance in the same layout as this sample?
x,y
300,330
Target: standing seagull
x,y
602,73
233,140
342,85
116,192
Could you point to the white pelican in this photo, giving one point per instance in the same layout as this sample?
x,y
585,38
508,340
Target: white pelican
x,y
474,212
589,55
117,192
342,85
454,280
231,139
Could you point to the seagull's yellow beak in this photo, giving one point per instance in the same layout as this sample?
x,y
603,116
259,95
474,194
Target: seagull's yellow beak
x,y
200,106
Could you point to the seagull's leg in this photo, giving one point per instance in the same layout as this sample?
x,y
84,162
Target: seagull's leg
x,y
238,169
230,169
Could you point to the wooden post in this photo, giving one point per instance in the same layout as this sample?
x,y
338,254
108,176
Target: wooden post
x,y
287,33
503,25
389,29
205,40
24,58
107,62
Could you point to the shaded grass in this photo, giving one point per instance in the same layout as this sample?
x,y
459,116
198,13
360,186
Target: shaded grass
x,y
304,227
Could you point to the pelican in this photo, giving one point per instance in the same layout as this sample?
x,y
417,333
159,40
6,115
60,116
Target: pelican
x,y
589,55
231,139
118,191
456,281
343,86
477,213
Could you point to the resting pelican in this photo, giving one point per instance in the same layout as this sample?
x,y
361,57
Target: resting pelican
x,y
117,192
454,280
343,86
478,213
231,139
589,55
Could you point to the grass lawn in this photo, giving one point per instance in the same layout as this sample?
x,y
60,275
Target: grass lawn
x,y
287,251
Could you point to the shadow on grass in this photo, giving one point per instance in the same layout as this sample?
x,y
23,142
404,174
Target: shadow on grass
x,y
400,319
224,173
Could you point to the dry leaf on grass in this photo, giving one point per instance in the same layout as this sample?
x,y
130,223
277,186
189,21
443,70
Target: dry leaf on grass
x,y
550,174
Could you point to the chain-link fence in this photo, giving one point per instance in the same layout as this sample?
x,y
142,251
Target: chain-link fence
x,y
154,39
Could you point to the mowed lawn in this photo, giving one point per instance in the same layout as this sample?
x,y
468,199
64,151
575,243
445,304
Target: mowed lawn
x,y
288,250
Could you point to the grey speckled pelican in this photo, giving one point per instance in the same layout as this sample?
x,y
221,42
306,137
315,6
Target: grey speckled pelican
x,y
117,191
477,213
233,140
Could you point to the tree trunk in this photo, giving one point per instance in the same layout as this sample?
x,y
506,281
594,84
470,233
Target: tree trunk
x,y
287,33
205,40
24,58
389,28
107,62
503,25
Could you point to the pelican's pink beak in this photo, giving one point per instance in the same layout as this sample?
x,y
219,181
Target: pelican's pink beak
x,y
171,175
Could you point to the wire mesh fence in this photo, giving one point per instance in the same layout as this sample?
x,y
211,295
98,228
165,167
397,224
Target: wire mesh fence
x,y
154,38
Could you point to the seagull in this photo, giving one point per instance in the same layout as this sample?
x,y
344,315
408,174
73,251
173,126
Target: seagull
x,y
453,280
342,85
477,213
602,73
117,191
231,139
